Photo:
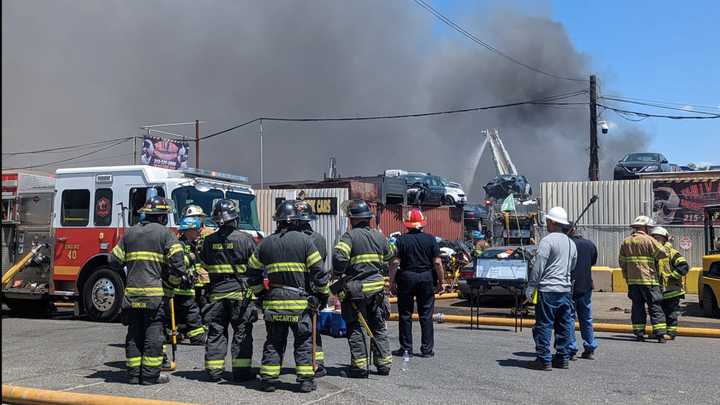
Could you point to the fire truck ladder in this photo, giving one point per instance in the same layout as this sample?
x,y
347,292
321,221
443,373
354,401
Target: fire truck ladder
x,y
503,164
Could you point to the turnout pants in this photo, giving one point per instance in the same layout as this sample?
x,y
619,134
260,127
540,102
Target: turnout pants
x,y
276,342
642,295
187,314
144,341
671,308
418,287
219,316
553,312
376,311
319,353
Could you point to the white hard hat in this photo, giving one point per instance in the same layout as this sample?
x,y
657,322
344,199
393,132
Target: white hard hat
x,y
659,230
558,215
193,210
643,220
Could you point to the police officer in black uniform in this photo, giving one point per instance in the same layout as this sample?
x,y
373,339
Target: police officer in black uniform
x,y
293,266
225,255
305,215
357,260
154,258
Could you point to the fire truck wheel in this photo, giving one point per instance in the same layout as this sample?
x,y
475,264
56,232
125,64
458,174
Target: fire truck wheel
x,y
103,295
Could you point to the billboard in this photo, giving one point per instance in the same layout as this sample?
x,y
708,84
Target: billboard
x,y
165,153
681,202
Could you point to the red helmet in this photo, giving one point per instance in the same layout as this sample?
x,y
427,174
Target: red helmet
x,y
414,219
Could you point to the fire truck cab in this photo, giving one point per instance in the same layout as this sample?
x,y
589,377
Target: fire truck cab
x,y
90,210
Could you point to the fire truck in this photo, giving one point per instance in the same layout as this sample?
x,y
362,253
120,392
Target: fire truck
x,y
71,227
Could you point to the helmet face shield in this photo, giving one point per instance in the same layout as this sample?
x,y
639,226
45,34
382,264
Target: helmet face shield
x,y
157,205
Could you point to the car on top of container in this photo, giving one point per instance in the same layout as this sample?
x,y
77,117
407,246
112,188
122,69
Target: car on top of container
x,y
633,164
428,189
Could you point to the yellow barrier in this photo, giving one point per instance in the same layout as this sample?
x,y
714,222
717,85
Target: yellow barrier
x,y
620,285
32,396
598,327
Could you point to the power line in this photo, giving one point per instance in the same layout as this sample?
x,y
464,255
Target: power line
x,y
398,116
71,158
672,117
62,148
622,100
487,46
664,102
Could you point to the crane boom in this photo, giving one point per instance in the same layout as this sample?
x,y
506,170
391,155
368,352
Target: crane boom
x,y
503,163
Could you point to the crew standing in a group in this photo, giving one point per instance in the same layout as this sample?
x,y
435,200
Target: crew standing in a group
x,y
154,258
418,256
225,255
672,270
639,260
293,266
357,260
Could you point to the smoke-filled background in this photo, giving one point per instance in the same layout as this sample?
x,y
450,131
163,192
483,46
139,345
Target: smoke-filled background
x,y
83,71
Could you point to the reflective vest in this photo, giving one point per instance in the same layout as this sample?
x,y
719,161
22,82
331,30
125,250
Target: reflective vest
x,y
673,269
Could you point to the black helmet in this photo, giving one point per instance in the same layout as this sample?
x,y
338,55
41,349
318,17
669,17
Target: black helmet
x,y
224,211
157,206
304,211
286,211
357,209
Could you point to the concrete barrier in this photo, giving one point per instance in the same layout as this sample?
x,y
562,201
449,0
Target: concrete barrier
x,y
32,396
620,285
602,278
597,327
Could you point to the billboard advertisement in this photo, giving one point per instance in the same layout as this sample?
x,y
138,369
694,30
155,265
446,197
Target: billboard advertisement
x,y
165,153
681,202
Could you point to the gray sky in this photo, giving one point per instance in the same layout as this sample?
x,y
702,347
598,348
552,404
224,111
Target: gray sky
x,y
81,71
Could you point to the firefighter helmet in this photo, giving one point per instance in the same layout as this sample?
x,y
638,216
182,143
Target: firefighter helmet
x,y
304,211
190,223
286,211
357,209
157,206
193,210
414,219
224,211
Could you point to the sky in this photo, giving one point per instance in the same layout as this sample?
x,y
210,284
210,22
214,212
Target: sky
x,y
84,71
644,49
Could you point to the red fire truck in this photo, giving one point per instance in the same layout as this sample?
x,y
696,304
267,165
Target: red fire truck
x,y
84,215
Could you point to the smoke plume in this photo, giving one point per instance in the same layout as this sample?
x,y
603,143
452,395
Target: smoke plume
x,y
81,71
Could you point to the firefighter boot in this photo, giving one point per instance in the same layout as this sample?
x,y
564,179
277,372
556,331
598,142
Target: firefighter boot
x,y
162,379
321,371
308,386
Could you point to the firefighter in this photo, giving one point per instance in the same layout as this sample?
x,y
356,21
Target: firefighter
x,y
196,211
305,215
672,271
479,244
225,255
187,312
293,267
153,257
358,258
639,258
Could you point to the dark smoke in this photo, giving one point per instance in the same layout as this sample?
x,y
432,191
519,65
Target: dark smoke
x,y
78,71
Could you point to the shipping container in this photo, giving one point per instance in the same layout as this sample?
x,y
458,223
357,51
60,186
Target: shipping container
x,y
445,222
387,190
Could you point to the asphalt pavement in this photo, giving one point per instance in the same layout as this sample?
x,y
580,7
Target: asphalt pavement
x,y
471,366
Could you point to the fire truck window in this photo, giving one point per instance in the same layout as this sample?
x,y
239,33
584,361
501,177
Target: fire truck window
x,y
75,208
187,195
103,207
138,196
248,219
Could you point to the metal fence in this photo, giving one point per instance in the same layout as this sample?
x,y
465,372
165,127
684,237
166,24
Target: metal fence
x,y
619,202
330,226
608,240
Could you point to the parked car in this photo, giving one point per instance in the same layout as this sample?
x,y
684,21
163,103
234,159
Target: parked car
x,y
433,190
635,163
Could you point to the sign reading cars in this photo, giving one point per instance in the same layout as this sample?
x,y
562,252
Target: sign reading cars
x,y
683,202
320,205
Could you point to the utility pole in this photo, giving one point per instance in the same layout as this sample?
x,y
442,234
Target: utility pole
x,y
197,144
594,164
262,174
135,150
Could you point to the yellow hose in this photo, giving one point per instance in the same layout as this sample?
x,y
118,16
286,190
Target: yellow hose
x,y
445,296
598,327
32,396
